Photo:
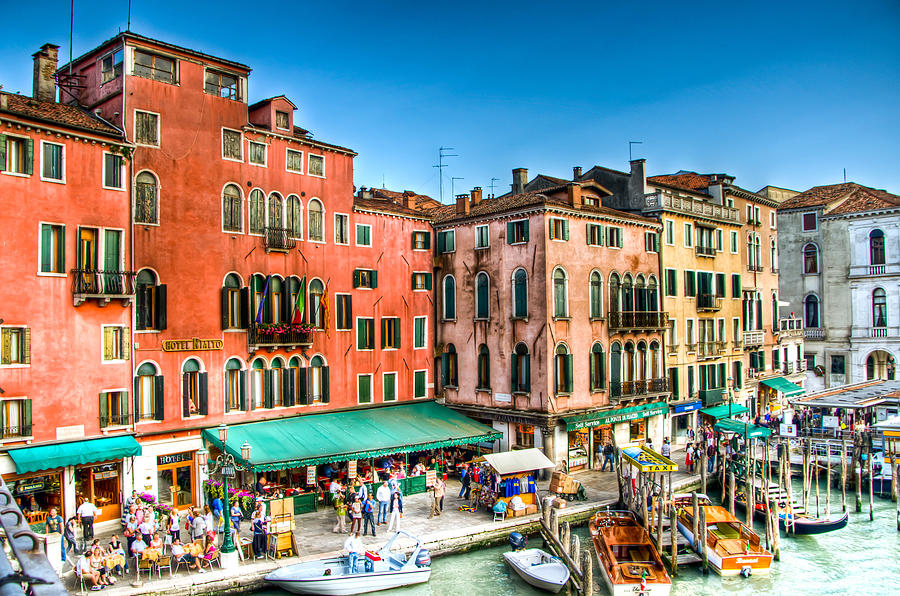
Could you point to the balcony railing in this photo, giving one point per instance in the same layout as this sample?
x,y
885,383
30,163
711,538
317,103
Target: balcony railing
x,y
11,432
878,332
801,366
755,267
705,251
279,240
753,338
115,420
278,336
638,319
659,201
631,388
691,347
791,327
874,270
814,333
737,344
788,368
708,349
708,302
711,397
103,285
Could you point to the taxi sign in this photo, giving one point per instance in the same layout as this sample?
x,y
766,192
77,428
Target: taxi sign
x,y
648,460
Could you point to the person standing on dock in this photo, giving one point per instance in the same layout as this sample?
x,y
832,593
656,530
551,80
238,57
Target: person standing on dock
x,y
711,457
340,511
438,489
608,452
383,494
369,515
666,450
396,512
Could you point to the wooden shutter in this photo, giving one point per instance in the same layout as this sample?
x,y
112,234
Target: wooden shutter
x,y
428,284
442,242
126,343
242,390
414,234
225,304
356,278
413,286
384,332
602,376
185,389
397,333
526,372
46,243
203,390
514,372
565,229
286,306
158,405
374,278
290,387
445,369
25,429
5,356
161,307
104,410
509,232
427,239
418,384
135,398
268,381
29,156
325,390
123,408
2,152
108,347
303,389
26,345
525,223
245,308
591,371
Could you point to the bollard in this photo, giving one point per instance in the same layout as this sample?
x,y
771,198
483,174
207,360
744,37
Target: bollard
x,y
587,569
703,541
554,523
695,519
673,531
575,550
564,536
843,474
871,479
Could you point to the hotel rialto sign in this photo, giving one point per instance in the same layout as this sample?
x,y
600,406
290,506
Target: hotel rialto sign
x,y
192,345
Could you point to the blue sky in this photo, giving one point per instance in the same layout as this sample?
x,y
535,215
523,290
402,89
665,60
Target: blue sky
x,y
784,93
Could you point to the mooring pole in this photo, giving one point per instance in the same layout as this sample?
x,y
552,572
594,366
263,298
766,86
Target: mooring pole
x,y
843,473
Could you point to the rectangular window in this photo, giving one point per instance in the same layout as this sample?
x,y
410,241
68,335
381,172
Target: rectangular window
x,y
837,364
421,241
365,278
115,343
15,345
19,154
719,240
735,285
257,153
614,237
737,375
294,161
344,312
364,389
389,386
734,243
53,248
113,167
282,120
446,241
420,327
809,222
688,235
363,235
671,282
365,334
421,281
15,415
390,333
153,66
690,281
114,409
316,165
231,145
776,359
420,383
223,84
594,234
651,242
559,228
670,232
111,67
773,219
673,333
517,232
482,236
52,163
146,128
689,334
342,229
720,285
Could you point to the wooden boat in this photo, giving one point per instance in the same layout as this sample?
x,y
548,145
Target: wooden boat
x,y
382,570
792,517
629,563
732,547
538,568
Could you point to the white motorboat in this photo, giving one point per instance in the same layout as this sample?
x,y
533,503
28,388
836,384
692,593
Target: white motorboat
x,y
374,571
538,568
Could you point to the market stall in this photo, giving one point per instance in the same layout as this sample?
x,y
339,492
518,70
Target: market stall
x,y
509,477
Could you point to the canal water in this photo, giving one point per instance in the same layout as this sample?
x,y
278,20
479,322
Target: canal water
x,y
863,558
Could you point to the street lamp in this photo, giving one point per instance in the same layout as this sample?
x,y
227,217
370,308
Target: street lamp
x,y
226,465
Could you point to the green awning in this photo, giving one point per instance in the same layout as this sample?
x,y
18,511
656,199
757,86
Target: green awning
x,y
314,439
616,415
751,431
784,386
58,455
724,411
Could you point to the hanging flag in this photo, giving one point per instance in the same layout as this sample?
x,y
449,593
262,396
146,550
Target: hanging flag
x,y
262,301
323,306
300,304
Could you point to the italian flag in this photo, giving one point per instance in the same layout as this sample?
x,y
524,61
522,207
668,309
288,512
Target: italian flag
x,y
300,304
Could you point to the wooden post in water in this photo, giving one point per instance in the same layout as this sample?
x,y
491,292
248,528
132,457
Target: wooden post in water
x,y
731,490
749,495
644,510
673,536
575,549
554,522
659,523
805,451
828,486
871,477
843,474
702,541
817,482
857,454
703,470
788,486
587,570
564,537
546,515
897,484
695,520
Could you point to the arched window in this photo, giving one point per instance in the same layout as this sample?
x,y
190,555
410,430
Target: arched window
x,y
596,295
318,380
261,306
235,397
627,294
563,369
879,308
151,301
810,258
276,211
876,247
232,212
449,298
773,255
292,290
449,370
275,384
482,296
640,294
257,383
652,294
276,296
295,376
316,313
757,249
640,367
614,298
294,217
615,370
655,362
521,369
484,367
149,399
870,367
146,199
598,367
194,390
629,364
775,312
560,293
520,294
811,309
316,216
257,211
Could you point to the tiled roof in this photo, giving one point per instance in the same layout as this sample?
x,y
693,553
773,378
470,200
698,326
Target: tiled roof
x,y
685,180
58,113
391,201
848,197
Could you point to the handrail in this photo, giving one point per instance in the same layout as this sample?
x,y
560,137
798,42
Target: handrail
x,y
99,282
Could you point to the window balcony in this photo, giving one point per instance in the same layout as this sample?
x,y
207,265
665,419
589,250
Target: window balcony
x,y
814,333
711,397
278,240
691,347
753,339
14,432
705,251
790,327
660,201
708,349
634,388
801,366
755,267
787,368
737,344
633,320
874,270
103,286
708,303
279,335
115,420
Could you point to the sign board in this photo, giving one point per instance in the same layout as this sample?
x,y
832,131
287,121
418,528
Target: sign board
x,y
830,421
788,430
351,470
175,458
69,432
192,345
30,486
503,397
310,475
228,471
430,477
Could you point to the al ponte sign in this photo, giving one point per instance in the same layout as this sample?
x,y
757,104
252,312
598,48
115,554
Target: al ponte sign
x,y
192,345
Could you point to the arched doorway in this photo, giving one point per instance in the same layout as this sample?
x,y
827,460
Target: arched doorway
x,y
880,365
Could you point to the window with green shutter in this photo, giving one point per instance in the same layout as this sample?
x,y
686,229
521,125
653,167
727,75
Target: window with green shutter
x,y
363,235
690,281
737,375
112,171
559,228
364,389
53,248
735,285
421,241
482,296
420,379
517,232
720,285
594,233
520,294
17,155
390,333
389,386
671,282
365,334
446,241
419,332
52,162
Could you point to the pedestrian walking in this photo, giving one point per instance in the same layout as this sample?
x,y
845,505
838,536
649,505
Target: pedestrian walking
x,y
197,524
369,508
86,513
340,512
438,496
710,457
666,450
689,458
236,516
396,508
467,486
608,453
217,508
463,473
55,525
383,494
356,515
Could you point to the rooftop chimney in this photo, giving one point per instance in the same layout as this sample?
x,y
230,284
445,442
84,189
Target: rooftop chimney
x,y
715,191
45,62
520,177
476,195
637,183
573,189
576,172
408,201
462,204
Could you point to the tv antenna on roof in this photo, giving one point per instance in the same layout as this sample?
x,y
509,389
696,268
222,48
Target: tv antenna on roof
x,y
441,165
630,144
492,185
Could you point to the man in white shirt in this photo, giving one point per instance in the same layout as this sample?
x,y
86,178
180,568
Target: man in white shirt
x,y
86,513
383,495
353,545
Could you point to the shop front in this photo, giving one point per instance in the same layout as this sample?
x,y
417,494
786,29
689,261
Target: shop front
x,y
774,394
101,484
683,417
589,432
579,448
36,493
176,479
